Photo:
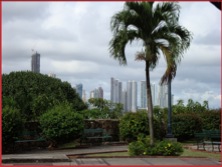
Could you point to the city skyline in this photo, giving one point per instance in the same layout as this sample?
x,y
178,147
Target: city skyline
x,y
74,44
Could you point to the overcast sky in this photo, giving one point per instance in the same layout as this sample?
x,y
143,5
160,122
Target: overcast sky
x,y
73,38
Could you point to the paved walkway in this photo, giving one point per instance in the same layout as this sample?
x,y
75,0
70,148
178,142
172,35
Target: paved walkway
x,y
60,157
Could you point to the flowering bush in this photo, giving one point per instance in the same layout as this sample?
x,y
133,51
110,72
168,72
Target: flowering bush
x,y
162,148
168,148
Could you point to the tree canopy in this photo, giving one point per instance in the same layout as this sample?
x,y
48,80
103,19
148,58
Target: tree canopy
x,y
34,93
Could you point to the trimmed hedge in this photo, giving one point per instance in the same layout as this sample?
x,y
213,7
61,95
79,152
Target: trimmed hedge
x,y
184,125
211,119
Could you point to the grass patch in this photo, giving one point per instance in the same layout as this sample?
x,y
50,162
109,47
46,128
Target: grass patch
x,y
187,152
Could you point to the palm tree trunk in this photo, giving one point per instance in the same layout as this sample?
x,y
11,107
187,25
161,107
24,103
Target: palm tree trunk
x,y
149,103
169,124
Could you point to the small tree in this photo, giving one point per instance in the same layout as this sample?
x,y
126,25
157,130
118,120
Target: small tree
x,y
61,124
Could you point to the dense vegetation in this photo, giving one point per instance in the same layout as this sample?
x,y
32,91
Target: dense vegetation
x,y
33,94
60,124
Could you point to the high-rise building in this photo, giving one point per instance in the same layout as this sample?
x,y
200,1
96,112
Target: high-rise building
x,y
79,89
100,92
143,95
132,96
97,93
35,62
124,100
84,98
116,91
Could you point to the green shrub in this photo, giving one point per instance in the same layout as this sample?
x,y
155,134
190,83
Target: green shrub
x,y
161,148
61,124
184,125
211,119
12,125
167,148
133,124
140,146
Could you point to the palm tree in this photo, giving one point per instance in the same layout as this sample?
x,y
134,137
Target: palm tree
x,y
156,25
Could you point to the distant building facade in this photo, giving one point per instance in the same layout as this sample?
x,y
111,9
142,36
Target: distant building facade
x,y
52,75
79,90
132,96
116,91
35,62
97,93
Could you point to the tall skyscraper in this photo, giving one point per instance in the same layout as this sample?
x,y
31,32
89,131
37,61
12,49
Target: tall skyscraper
x,y
84,98
143,95
35,63
79,89
100,92
132,96
116,91
124,100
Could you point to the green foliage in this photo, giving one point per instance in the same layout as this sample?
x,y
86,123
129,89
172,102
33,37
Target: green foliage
x,y
12,125
103,109
140,146
33,93
161,148
61,124
184,125
191,106
95,114
167,148
211,119
133,124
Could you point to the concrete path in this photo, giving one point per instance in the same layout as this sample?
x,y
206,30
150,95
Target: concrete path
x,y
60,157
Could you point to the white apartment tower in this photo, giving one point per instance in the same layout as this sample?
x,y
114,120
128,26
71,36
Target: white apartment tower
x,y
132,96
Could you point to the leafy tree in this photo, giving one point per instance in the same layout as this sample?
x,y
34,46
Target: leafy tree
x,y
61,124
190,105
205,105
33,93
179,107
158,29
103,109
99,103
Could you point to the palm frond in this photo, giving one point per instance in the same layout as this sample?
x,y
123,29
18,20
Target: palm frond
x,y
140,56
